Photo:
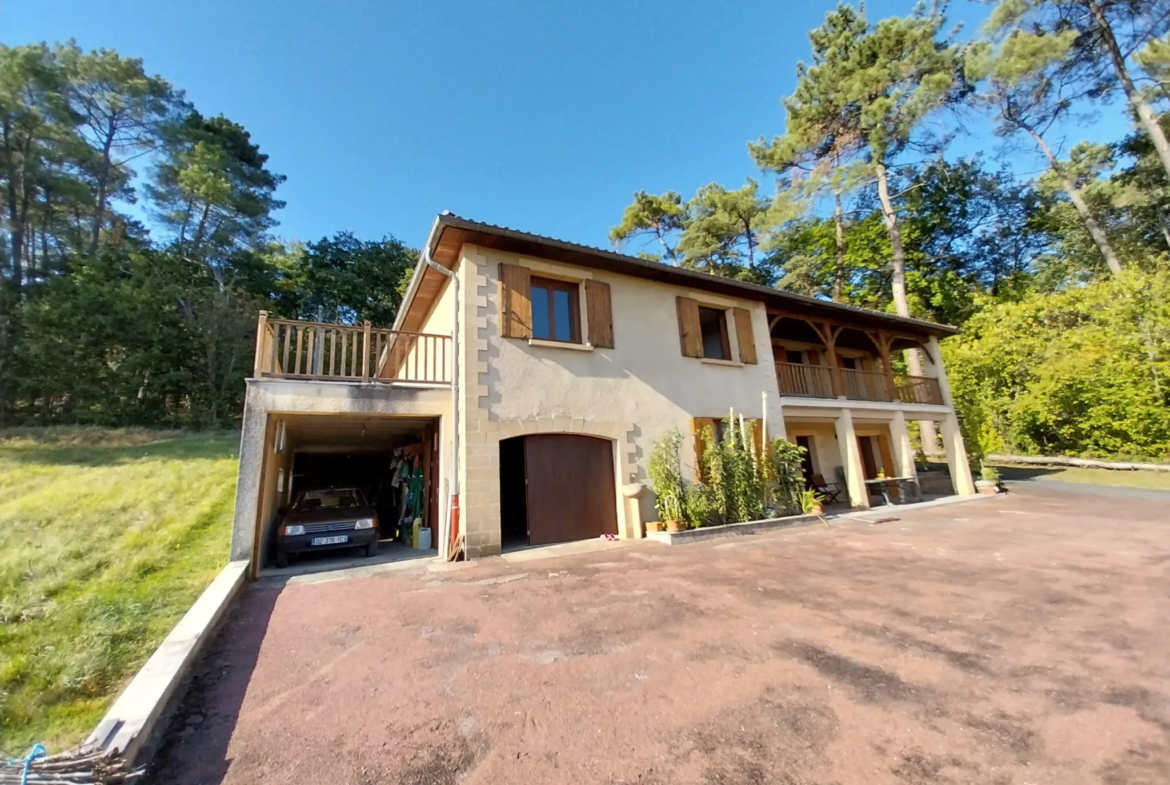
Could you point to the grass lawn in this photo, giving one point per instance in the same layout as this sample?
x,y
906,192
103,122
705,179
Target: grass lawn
x,y
1159,481
106,539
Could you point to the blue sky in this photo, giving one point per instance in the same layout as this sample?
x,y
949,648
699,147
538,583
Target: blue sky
x,y
541,116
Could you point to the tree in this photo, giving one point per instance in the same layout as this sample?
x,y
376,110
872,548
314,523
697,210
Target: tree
x,y
34,124
213,190
344,279
122,113
1082,370
718,231
723,231
1102,37
881,82
661,217
1027,83
822,137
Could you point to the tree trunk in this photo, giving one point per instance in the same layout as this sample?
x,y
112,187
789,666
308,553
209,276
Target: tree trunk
x,y
747,231
99,209
197,240
839,273
11,189
926,429
1070,188
1140,106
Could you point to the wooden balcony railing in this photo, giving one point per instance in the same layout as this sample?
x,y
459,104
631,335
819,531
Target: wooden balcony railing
x,y
812,381
864,385
816,381
349,353
919,389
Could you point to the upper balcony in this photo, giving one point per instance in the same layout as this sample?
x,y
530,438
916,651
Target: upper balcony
x,y
816,381
816,359
316,351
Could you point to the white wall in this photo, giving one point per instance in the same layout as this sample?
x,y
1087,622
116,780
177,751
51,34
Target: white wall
x,y
644,379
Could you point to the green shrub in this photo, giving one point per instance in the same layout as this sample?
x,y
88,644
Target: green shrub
x,y
1084,371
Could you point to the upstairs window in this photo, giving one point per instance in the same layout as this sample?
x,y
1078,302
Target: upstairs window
x,y
555,311
713,325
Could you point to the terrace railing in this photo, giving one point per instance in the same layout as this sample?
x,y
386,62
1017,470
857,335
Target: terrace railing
x,y
865,385
317,351
810,381
816,381
919,389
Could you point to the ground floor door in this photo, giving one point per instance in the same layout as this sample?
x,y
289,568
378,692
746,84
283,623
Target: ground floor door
x,y
570,490
806,458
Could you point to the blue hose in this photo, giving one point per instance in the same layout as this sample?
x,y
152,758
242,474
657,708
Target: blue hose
x,y
37,751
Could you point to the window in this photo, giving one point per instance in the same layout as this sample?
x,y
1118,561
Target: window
x,y
555,311
713,326
847,362
795,357
331,499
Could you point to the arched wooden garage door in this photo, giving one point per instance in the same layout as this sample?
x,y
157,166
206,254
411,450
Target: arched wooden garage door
x,y
571,493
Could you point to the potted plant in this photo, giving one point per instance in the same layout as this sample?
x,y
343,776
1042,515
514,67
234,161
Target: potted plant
x,y
811,502
671,506
989,484
666,477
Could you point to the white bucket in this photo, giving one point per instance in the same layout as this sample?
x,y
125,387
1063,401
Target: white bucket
x,y
424,539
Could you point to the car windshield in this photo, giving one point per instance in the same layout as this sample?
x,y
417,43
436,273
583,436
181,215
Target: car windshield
x,y
331,499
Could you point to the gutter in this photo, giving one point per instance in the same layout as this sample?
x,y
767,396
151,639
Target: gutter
x,y
425,260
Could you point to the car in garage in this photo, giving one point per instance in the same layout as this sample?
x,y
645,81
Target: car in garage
x,y
325,519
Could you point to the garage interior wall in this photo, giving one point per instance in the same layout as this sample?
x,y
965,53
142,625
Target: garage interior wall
x,y
317,439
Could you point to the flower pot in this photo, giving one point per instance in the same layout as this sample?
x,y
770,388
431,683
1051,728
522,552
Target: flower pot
x,y
987,487
816,509
674,526
653,526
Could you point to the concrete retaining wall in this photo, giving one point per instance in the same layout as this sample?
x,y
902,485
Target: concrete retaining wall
x,y
131,721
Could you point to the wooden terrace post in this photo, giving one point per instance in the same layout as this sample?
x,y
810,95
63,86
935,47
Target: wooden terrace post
x,y
261,336
366,350
829,334
884,341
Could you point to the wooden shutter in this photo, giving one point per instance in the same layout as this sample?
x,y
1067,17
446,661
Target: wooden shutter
x,y
747,339
600,311
515,301
697,426
690,334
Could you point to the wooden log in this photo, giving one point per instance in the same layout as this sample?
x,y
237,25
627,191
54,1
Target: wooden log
x,y
1044,460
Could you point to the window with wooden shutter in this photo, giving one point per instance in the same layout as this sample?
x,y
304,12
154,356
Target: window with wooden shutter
x,y
600,312
746,338
515,301
690,333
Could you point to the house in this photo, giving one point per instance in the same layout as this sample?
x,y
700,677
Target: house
x,y
527,378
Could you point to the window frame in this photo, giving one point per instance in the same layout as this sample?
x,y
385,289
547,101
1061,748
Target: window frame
x,y
552,285
724,337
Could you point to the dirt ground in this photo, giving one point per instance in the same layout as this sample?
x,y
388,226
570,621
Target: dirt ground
x,y
1021,640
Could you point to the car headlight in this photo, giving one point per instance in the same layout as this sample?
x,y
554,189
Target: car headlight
x,y
292,531
366,523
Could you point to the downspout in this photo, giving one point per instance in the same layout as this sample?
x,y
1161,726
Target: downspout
x,y
453,483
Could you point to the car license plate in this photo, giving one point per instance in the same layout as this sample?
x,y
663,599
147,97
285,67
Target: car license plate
x,y
330,540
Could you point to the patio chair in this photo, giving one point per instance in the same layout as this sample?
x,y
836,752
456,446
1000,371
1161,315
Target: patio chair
x,y
830,490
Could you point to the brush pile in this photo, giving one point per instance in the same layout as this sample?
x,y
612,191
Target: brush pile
x,y
67,768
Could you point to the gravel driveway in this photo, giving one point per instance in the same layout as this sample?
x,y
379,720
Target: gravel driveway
x,y
1021,639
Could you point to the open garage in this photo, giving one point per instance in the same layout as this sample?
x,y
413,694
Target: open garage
x,y
343,486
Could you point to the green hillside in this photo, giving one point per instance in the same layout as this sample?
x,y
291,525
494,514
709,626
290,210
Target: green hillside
x,y
106,539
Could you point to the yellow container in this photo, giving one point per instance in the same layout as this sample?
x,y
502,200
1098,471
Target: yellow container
x,y
414,533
